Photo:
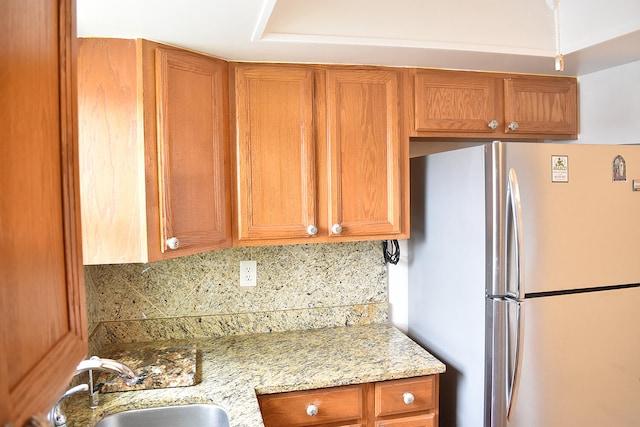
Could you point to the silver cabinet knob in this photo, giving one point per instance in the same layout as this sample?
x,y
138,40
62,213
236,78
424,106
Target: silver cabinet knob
x,y
336,229
493,124
312,230
173,243
513,126
408,398
312,410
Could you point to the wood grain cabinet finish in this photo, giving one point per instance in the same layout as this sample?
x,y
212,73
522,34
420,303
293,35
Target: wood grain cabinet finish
x,y
411,402
154,151
460,104
42,301
541,105
320,154
343,405
367,154
275,152
378,404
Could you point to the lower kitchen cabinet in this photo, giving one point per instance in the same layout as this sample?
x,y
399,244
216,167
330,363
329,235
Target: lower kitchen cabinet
x,y
428,420
343,405
411,402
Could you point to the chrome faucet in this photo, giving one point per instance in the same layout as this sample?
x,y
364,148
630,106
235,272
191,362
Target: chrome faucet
x,y
97,364
57,418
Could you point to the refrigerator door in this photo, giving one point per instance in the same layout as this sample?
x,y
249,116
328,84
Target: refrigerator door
x,y
580,223
581,362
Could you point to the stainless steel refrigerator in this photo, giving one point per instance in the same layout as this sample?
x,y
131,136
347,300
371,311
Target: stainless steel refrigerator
x,y
524,272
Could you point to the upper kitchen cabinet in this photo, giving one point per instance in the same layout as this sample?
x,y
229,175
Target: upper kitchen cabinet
x,y
367,149
320,154
42,301
275,152
541,106
460,104
154,151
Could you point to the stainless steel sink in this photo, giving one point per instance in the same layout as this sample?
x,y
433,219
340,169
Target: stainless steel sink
x,y
201,415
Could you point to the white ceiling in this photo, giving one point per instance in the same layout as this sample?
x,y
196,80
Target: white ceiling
x,y
493,35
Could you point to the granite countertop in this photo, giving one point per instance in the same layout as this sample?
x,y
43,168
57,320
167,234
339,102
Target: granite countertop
x,y
234,369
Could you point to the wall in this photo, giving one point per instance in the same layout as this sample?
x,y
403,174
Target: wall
x,y
610,105
587,22
299,286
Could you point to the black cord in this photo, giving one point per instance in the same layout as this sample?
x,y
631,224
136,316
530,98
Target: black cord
x,y
391,250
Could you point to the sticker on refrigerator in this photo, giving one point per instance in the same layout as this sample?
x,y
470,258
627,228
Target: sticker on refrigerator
x,y
559,168
619,169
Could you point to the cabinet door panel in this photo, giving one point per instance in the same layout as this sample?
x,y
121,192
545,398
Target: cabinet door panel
x,y
42,312
275,149
456,102
541,105
192,113
364,151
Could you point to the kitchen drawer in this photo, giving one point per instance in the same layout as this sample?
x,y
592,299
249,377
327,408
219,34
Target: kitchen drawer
x,y
428,420
333,405
403,396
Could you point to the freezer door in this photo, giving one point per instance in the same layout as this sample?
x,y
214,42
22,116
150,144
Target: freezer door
x,y
581,361
580,224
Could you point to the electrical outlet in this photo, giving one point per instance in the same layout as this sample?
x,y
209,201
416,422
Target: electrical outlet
x,y
248,273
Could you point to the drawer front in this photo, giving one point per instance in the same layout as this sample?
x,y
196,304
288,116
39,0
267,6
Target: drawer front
x,y
428,420
332,405
402,396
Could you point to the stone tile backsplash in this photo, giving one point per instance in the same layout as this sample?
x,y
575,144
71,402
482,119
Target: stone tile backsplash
x,y
299,287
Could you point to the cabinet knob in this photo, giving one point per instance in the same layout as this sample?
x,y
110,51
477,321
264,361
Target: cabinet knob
x,y
312,230
408,398
312,410
493,124
336,229
513,126
173,243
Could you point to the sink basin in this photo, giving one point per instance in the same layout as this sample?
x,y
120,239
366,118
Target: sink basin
x,y
201,415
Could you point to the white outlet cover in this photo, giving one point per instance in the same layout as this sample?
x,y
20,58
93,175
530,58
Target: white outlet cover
x,y
248,273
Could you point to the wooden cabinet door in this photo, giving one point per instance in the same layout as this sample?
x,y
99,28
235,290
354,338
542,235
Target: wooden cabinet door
x,y
450,101
275,147
42,302
193,155
544,105
366,150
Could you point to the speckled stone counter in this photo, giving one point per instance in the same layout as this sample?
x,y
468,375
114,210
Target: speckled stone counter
x,y
234,369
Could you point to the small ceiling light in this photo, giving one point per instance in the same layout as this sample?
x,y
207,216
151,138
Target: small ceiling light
x,y
555,6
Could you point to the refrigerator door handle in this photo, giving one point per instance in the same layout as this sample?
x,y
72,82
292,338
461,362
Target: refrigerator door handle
x,y
514,387
516,210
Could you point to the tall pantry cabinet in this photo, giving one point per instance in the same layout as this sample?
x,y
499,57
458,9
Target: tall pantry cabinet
x,y
42,302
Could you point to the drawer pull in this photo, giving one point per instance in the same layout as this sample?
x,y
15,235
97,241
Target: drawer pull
x,y
408,398
312,410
